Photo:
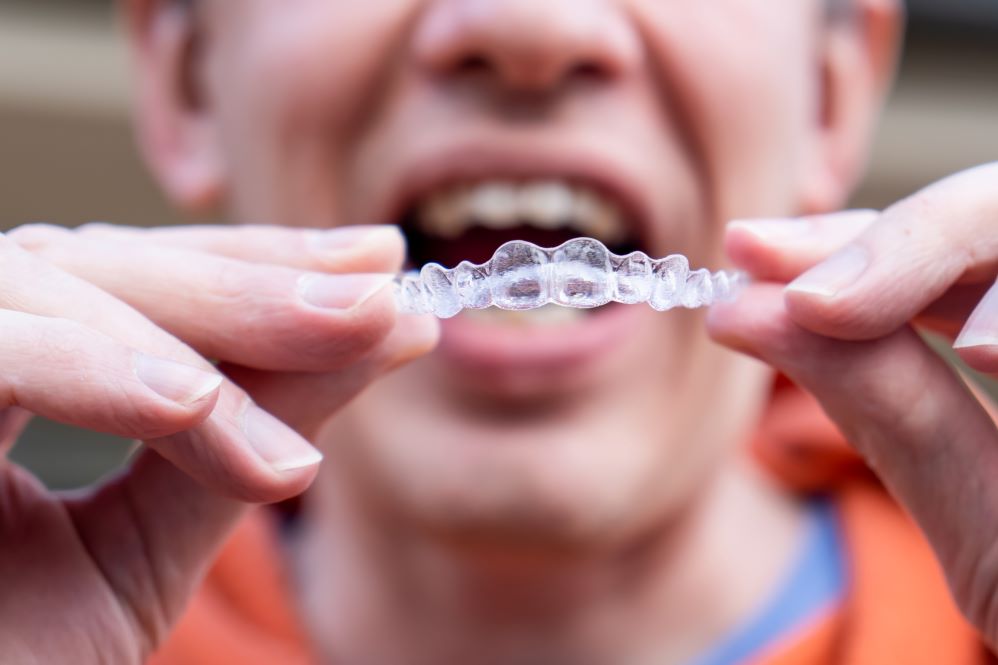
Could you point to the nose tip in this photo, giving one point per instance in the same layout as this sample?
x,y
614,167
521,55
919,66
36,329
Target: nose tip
x,y
527,45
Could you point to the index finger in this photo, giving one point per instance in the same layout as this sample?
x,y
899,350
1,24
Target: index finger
x,y
363,248
905,261
779,250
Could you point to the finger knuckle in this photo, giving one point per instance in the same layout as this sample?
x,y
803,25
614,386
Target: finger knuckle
x,y
231,286
63,338
37,236
921,218
924,205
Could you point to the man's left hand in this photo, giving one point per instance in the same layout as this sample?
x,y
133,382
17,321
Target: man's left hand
x,y
835,306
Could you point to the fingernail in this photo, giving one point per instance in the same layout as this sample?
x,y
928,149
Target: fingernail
x,y
341,291
175,381
774,229
276,443
836,273
982,326
348,237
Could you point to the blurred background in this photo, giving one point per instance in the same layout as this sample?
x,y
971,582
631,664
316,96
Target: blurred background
x,y
67,155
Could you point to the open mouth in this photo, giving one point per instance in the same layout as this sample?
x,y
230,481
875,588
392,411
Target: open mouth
x,y
469,221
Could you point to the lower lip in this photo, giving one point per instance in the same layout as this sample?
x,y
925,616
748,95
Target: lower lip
x,y
485,348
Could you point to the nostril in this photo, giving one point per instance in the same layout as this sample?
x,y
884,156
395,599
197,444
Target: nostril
x,y
472,63
518,73
589,71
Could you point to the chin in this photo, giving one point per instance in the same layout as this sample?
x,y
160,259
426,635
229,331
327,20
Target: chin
x,y
582,475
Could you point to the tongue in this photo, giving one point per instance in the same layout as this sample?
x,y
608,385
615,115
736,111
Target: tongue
x,y
478,244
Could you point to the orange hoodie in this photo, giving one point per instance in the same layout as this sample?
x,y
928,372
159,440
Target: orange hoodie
x,y
897,608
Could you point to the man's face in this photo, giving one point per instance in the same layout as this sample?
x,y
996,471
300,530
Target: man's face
x,y
646,123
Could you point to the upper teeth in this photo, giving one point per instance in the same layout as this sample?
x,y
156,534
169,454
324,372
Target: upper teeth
x,y
546,204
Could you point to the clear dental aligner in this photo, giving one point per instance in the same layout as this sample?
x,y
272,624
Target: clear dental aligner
x,y
581,273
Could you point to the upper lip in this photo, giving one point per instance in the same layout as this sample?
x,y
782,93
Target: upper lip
x,y
470,162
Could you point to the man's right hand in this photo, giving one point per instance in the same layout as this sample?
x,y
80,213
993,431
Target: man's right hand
x,y
92,326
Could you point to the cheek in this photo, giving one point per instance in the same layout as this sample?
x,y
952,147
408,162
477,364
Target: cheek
x,y
741,73
290,88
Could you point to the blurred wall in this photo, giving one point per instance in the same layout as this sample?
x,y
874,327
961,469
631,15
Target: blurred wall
x,y
67,155
66,148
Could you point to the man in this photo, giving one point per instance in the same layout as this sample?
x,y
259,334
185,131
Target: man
x,y
559,487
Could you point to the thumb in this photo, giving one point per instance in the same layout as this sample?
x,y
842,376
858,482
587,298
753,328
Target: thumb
x,y
153,533
916,424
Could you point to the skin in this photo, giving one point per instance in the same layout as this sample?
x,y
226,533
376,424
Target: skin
x,y
573,550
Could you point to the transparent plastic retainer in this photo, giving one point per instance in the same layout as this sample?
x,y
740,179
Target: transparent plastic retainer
x,y
581,273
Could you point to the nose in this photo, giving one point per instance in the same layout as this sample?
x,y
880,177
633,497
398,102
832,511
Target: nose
x,y
527,45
